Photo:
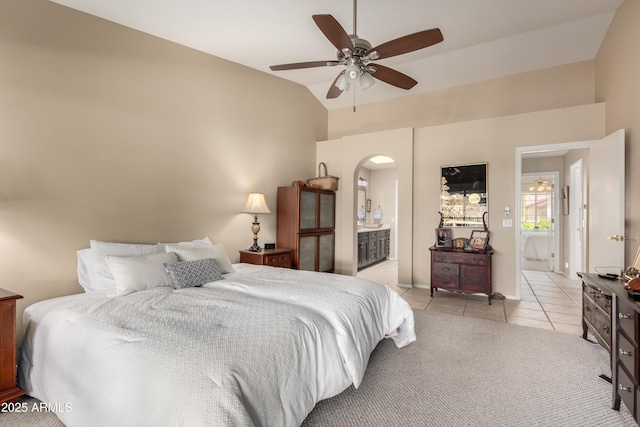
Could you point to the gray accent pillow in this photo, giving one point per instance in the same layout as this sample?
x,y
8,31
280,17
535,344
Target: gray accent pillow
x,y
189,274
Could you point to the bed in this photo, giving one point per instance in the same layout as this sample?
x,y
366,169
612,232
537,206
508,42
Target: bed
x,y
258,346
536,245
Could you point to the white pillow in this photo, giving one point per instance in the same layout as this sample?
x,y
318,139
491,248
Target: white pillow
x,y
85,270
217,252
104,280
137,273
198,243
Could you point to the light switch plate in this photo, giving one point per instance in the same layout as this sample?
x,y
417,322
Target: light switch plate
x,y
507,223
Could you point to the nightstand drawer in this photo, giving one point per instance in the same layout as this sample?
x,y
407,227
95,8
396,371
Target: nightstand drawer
x,y
271,257
282,260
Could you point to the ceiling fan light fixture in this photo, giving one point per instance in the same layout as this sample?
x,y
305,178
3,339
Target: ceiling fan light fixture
x,y
352,73
366,81
342,83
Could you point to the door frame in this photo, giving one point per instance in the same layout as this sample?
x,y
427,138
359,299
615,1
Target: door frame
x,y
517,223
557,225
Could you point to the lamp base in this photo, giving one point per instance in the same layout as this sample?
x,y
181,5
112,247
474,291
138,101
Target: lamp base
x,y
255,247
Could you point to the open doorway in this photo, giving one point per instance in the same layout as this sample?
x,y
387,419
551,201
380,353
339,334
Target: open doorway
x,y
595,196
539,225
376,216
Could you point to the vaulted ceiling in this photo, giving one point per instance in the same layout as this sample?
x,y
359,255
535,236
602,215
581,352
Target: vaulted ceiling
x,y
483,39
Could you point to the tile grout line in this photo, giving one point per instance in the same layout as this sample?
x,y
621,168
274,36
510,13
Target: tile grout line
x,y
539,302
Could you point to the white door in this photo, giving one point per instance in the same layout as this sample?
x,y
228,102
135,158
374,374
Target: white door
x,y
576,220
605,205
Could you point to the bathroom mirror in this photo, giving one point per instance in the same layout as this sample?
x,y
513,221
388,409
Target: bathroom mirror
x,y
463,195
362,201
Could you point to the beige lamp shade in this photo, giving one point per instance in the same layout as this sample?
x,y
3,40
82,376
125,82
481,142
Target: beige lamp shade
x,y
256,204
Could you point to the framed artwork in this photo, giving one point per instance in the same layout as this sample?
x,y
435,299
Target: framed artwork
x,y
460,242
443,238
479,239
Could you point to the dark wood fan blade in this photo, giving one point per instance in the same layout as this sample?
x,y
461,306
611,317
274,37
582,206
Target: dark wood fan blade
x,y
297,65
408,43
334,91
333,31
393,77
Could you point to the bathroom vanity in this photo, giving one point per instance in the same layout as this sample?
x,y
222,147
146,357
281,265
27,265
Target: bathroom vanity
x,y
373,245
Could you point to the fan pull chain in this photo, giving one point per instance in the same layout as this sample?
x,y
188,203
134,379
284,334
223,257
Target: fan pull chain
x,y
354,98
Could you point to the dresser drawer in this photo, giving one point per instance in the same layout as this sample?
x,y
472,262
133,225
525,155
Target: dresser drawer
x,y
627,353
446,269
462,258
627,390
627,320
598,319
448,282
599,298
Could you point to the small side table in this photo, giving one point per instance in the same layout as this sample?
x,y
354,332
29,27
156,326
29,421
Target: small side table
x,y
8,388
279,257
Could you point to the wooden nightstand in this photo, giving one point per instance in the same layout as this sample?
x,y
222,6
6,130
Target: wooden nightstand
x,y
273,257
8,388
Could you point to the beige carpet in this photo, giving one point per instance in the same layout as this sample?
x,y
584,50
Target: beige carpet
x,y
464,372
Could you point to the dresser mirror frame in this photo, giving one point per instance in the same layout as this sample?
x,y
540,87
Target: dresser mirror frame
x,y
464,196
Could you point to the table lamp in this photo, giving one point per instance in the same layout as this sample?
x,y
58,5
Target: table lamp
x,y
256,205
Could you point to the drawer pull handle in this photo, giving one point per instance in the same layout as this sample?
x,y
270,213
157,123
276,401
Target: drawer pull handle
x,y
625,353
446,269
478,259
623,388
441,257
625,316
446,282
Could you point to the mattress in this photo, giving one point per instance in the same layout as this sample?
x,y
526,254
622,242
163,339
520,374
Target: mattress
x,y
260,347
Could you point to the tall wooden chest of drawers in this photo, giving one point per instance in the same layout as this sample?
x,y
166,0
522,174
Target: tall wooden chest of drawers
x,y
614,319
459,270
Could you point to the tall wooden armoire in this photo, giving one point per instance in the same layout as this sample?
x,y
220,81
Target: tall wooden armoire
x,y
306,224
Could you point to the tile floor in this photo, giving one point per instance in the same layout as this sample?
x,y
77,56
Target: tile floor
x,y
548,300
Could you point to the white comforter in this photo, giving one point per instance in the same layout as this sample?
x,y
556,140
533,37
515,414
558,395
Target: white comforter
x,y
260,347
536,245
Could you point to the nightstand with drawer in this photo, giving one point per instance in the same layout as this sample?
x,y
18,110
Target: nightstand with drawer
x,y
279,257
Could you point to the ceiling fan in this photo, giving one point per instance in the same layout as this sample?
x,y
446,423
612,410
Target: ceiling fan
x,y
356,54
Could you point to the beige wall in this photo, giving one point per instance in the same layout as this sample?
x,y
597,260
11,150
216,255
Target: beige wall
x,y
556,87
108,133
491,140
618,83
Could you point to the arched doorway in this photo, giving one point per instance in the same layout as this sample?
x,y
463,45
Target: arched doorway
x,y
376,214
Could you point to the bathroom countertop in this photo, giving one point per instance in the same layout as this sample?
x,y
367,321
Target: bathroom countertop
x,y
367,228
